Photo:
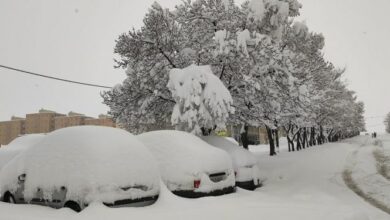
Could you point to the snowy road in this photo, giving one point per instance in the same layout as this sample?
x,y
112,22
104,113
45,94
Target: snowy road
x,y
299,185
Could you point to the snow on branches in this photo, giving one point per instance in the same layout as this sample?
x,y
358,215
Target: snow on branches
x,y
273,67
202,101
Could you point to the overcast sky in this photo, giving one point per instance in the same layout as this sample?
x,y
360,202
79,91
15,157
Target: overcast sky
x,y
75,40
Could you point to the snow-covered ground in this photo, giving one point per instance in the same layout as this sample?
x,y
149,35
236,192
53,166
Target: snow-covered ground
x,y
300,185
364,171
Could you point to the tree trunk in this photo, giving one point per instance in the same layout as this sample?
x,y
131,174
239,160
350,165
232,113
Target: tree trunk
x,y
288,136
277,138
292,146
299,146
244,137
288,143
321,135
304,138
271,141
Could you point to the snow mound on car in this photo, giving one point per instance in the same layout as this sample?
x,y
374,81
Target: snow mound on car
x,y
240,156
182,155
24,142
8,152
91,161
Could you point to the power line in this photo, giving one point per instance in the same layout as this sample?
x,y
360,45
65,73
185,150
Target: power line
x,y
376,125
382,116
54,78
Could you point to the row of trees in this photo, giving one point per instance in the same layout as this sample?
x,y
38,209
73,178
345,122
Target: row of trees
x,y
273,67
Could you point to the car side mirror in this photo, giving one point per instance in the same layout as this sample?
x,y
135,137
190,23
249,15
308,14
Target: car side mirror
x,y
22,177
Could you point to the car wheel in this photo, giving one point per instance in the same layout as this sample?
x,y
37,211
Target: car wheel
x,y
73,205
8,197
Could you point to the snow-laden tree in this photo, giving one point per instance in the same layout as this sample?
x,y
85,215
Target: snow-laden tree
x,y
273,67
202,100
143,101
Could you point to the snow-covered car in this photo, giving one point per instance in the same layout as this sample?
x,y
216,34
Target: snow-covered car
x,y
75,166
244,162
189,166
18,145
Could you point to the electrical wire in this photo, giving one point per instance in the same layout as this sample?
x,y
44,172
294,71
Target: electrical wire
x,y
54,78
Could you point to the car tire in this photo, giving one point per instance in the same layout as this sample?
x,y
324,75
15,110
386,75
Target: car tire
x,y
73,205
9,198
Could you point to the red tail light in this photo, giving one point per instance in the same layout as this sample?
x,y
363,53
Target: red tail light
x,y
196,184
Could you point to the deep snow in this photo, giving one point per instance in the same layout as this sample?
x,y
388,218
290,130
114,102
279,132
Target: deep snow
x,y
18,145
300,185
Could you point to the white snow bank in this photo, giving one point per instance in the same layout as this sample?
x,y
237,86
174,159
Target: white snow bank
x,y
24,142
202,100
92,162
8,152
239,155
362,165
184,157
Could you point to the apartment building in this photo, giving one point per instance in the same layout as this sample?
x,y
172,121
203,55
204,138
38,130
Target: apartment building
x,y
256,135
9,130
72,119
103,120
46,121
41,122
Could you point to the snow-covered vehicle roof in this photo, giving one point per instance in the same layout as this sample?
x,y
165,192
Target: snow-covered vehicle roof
x,y
19,144
92,162
240,156
182,155
23,142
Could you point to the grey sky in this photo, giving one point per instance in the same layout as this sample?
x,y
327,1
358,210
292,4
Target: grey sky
x,y
75,40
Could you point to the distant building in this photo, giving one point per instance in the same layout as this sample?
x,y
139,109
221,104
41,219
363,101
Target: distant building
x,y
72,119
10,130
41,122
46,121
256,135
103,120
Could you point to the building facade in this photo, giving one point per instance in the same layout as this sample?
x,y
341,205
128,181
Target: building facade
x,y
72,119
46,121
256,135
9,130
103,120
41,122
